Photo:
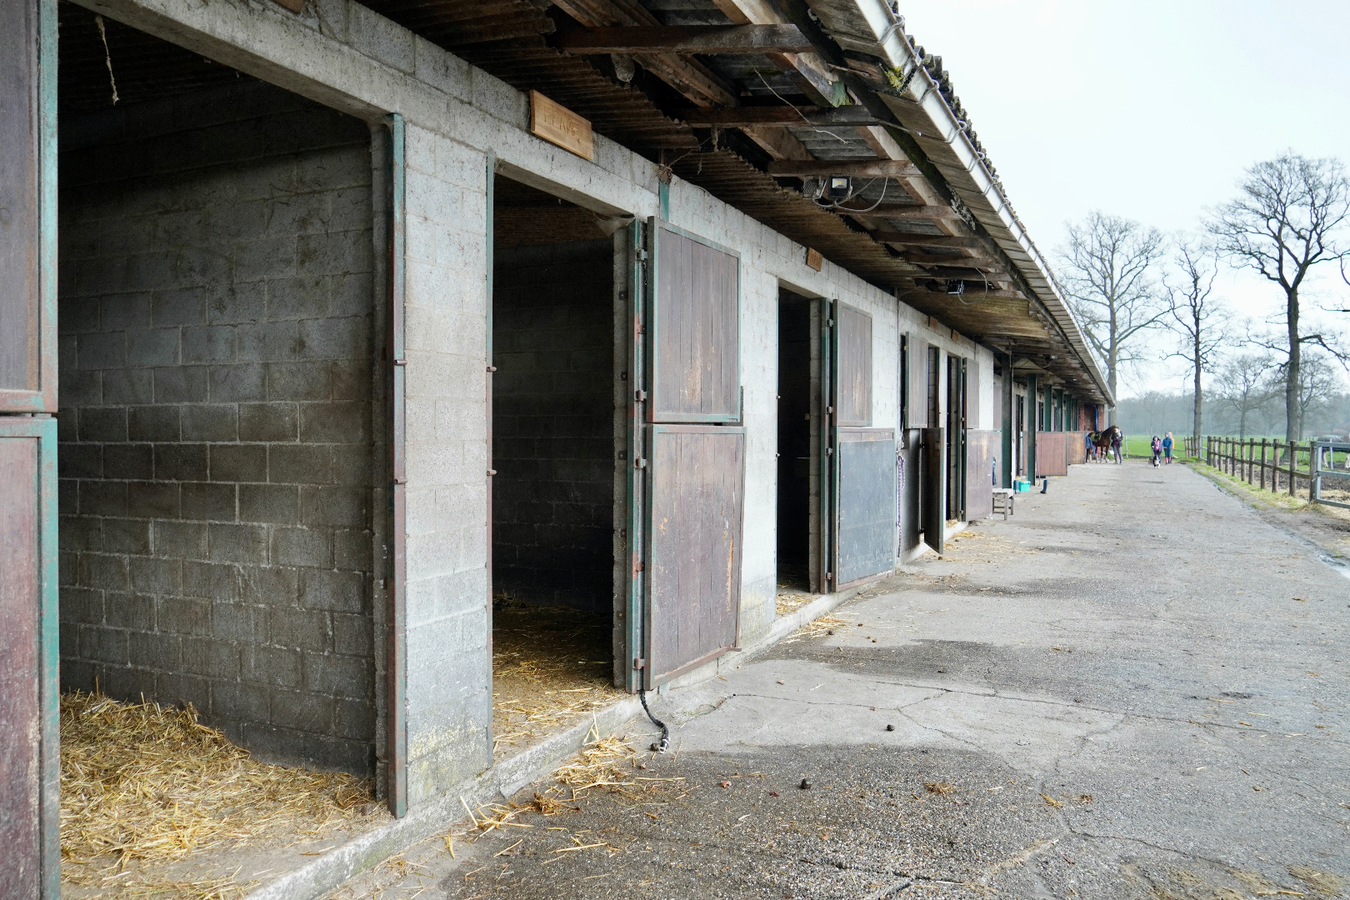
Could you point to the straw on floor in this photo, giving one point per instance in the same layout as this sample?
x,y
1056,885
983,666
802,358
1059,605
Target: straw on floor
x,y
147,785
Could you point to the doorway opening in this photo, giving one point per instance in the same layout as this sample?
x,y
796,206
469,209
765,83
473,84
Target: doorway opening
x,y
798,474
555,442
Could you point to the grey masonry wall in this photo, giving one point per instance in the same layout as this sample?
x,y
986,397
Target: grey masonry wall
x,y
553,445
216,370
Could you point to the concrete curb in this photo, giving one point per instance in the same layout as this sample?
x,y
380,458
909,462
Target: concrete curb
x,y
335,867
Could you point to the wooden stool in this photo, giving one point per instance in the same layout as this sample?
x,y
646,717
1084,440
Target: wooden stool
x,y
1004,498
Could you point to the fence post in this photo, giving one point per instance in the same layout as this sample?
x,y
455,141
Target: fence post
x,y
1209,451
1275,466
1312,473
1293,467
1263,464
1251,459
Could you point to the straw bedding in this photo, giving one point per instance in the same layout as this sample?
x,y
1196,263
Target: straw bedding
x,y
144,786
552,667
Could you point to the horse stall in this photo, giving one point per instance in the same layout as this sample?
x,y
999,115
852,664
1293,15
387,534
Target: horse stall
x,y
1051,453
1075,447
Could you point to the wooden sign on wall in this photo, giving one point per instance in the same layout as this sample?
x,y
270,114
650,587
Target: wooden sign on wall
x,y
559,125
814,259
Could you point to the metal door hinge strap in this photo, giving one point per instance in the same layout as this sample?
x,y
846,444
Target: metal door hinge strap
x,y
639,662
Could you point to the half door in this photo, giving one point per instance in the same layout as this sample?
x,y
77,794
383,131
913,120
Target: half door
x,y
860,460
693,450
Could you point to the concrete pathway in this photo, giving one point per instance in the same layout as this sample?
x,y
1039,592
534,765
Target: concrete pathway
x,y
1133,688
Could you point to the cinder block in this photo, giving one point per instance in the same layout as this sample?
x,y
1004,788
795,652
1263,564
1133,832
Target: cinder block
x,y
122,386
272,666
352,465
101,498
181,384
209,422
340,423
352,549
351,677
267,341
267,258
149,575
81,605
153,423
212,502
210,581
217,660
300,463
124,312
268,422
210,343
324,589
103,423
351,293
181,462
181,690
238,301
239,463
311,547
173,304
240,702
331,338
237,384
302,711
239,622
279,503
354,719
153,347
245,544
154,651
124,536
181,615
80,461
352,379
270,586
309,380
185,540
332,505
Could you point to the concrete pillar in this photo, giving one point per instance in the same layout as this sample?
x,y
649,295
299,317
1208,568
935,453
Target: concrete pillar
x,y
1033,424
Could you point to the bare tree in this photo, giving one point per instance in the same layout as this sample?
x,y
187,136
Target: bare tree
x,y
1318,383
1245,386
1196,316
1286,221
1107,273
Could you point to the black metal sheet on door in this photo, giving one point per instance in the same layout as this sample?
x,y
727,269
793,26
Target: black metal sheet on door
x,y
865,505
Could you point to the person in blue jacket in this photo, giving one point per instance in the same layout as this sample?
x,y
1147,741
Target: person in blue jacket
x,y
1167,448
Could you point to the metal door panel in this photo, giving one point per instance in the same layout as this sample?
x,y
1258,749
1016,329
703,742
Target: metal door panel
x,y
28,206
28,687
695,323
853,367
695,491
934,480
981,448
865,505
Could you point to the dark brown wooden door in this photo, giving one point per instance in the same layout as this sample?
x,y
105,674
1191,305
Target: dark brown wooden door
x,y
695,329
934,479
693,496
695,486
29,864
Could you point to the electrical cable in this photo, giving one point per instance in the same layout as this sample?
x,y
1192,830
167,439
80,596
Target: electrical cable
x,y
664,744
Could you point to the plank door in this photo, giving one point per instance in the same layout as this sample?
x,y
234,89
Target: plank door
x,y
934,481
29,755
981,450
956,437
693,450
860,459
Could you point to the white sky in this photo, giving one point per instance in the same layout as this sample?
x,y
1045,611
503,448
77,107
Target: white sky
x,y
1148,109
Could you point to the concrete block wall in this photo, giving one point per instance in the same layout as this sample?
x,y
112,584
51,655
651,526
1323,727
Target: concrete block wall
x,y
552,424
216,370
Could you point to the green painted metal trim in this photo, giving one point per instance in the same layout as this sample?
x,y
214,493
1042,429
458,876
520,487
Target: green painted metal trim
x,y
636,544
663,195
828,474
396,695
50,687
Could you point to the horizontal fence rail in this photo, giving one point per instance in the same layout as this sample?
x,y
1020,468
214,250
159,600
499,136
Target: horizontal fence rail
x,y
1321,469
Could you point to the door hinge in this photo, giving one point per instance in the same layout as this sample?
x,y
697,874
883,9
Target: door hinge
x,y
492,368
641,396
639,663
642,255
639,463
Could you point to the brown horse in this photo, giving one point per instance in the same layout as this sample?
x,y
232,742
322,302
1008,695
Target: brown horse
x,y
1102,440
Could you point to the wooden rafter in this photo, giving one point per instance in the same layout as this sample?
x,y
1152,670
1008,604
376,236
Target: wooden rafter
x,y
855,168
742,116
683,39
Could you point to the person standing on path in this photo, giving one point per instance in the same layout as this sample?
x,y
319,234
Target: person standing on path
x,y
1117,438
1167,448
1156,445
1089,446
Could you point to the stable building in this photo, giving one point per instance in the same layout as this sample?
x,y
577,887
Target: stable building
x,y
326,322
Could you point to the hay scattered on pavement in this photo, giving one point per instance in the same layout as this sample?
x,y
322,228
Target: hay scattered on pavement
x,y
823,625
786,603
146,784
552,667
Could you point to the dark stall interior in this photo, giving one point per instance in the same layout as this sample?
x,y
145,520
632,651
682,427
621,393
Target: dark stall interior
x,y
794,440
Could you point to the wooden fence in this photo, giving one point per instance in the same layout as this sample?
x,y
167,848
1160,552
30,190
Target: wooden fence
x,y
1270,465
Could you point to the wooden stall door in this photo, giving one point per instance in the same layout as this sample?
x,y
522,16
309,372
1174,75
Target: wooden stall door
x,y
982,448
694,453
860,460
29,753
1050,453
934,482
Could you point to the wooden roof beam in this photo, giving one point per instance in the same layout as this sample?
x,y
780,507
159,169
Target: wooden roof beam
x,y
683,39
798,117
904,238
812,73
902,211
859,168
